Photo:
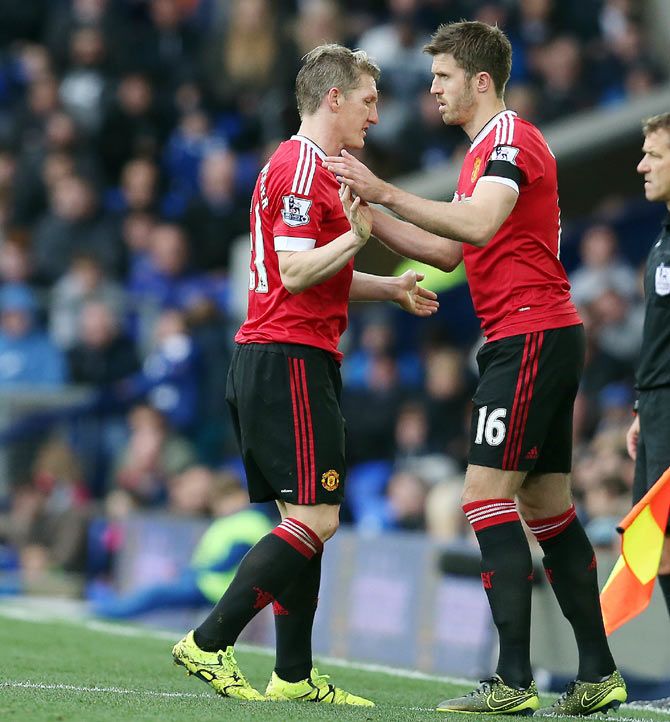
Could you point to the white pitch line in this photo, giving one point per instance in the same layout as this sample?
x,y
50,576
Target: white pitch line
x,y
124,630
97,690
191,695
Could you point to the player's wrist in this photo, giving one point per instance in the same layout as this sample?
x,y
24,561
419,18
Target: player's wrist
x,y
386,195
400,290
361,236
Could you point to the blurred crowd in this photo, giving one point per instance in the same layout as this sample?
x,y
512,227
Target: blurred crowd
x,y
131,133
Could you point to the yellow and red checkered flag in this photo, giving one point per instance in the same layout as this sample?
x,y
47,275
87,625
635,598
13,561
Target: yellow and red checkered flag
x,y
628,590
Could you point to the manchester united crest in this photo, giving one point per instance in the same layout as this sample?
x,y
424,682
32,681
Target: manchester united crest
x,y
330,480
475,169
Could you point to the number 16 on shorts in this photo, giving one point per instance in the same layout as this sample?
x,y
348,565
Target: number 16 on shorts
x,y
491,426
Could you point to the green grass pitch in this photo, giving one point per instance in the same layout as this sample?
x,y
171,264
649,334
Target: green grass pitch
x,y
55,670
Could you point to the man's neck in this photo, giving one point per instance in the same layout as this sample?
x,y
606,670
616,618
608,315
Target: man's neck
x,y
321,134
482,115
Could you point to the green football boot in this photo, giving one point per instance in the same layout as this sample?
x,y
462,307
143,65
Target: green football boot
x,y
584,698
218,669
315,689
493,696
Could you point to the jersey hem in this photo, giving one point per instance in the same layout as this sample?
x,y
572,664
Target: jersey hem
x,y
517,329
248,339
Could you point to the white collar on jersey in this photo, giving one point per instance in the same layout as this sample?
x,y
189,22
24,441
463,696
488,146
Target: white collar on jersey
x,y
488,127
310,143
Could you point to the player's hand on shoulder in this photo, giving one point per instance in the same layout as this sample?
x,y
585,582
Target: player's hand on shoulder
x,y
413,298
351,172
358,214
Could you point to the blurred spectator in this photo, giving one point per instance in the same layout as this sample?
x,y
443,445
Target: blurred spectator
x,y
377,337
136,231
65,19
166,45
101,354
132,126
15,262
139,188
522,99
447,398
84,282
248,69
236,528
191,142
217,216
212,334
170,374
406,495
162,277
7,177
48,519
61,152
606,503
380,498
563,89
190,493
40,101
615,402
617,325
153,454
84,84
602,268
536,21
370,411
318,22
397,47
414,451
27,355
73,224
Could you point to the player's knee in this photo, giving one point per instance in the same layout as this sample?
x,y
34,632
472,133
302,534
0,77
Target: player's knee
x,y
529,509
324,523
329,526
472,493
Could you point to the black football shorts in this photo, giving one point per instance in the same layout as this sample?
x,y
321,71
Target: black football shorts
x,y
285,406
653,446
522,413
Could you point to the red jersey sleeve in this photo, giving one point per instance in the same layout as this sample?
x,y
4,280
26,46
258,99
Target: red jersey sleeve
x,y
300,206
518,156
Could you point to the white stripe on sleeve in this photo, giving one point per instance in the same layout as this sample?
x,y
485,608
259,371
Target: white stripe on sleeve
x,y
289,243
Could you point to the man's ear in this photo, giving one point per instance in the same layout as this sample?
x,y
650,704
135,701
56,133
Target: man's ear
x,y
334,99
483,82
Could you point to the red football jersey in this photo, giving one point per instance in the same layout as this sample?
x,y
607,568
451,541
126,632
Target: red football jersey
x,y
517,281
295,206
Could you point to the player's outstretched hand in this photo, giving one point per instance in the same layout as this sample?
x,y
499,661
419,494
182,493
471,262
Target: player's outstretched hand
x,y
413,298
362,181
358,213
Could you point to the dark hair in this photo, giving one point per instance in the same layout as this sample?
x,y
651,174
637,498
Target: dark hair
x,y
655,123
330,66
476,47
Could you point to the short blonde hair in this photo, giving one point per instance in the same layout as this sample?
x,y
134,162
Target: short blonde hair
x,y
330,66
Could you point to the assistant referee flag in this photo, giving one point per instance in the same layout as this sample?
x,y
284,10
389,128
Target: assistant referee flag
x,y
628,590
